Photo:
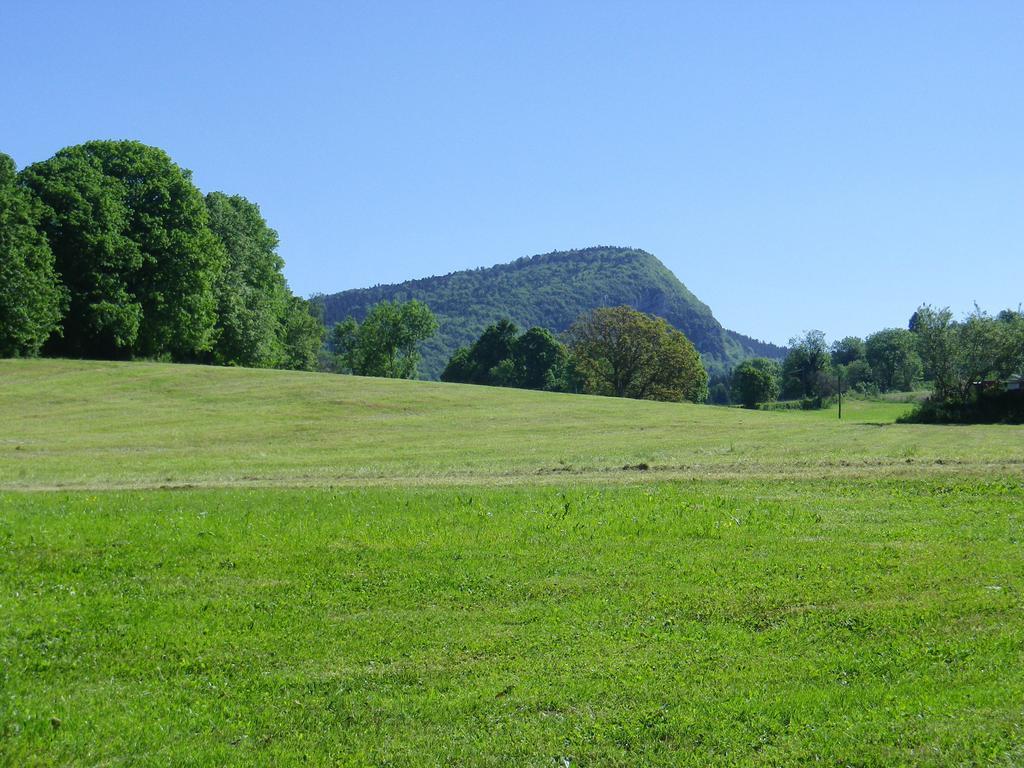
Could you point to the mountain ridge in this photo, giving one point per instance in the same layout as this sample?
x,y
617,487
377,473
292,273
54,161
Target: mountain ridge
x,y
552,290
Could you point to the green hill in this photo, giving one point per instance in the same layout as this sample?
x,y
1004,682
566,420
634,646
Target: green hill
x,y
552,290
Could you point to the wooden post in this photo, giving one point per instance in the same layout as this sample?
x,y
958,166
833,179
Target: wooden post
x,y
839,377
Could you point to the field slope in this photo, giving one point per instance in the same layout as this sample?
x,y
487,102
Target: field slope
x,y
126,425
211,567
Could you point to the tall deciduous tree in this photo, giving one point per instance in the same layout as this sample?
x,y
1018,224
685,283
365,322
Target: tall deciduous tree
x,y
847,350
621,352
892,355
540,360
502,357
32,300
128,230
253,300
387,342
806,367
961,355
301,333
756,381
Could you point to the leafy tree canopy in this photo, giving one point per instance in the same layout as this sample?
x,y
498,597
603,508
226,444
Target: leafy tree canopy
x,y
32,299
503,357
621,352
386,343
301,335
892,355
756,381
806,367
129,233
253,300
846,350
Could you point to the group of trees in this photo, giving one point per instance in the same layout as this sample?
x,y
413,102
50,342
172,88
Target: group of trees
x,y
813,370
108,250
503,357
615,351
968,363
386,343
964,362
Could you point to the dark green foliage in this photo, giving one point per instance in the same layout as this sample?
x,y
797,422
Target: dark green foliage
x,y
486,353
983,407
540,360
253,300
971,364
32,299
551,291
302,335
386,343
960,356
858,376
343,339
502,357
892,355
719,388
756,381
847,350
129,234
620,352
805,371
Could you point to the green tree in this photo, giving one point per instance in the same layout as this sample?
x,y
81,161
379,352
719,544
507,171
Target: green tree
x,y
32,300
495,345
961,355
459,369
301,335
756,381
253,299
129,234
935,333
344,342
539,360
806,368
387,342
892,355
624,353
858,376
847,350
502,357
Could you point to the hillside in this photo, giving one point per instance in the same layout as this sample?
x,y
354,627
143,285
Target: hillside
x,y
89,424
552,290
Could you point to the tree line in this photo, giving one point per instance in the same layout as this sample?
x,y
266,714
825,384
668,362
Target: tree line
x,y
969,366
618,351
108,250
614,351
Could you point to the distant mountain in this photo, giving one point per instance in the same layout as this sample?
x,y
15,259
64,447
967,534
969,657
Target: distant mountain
x,y
552,290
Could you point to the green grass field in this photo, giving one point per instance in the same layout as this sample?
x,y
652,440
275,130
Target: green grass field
x,y
349,571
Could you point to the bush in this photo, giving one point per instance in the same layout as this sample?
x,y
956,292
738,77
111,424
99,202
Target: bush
x,y
985,408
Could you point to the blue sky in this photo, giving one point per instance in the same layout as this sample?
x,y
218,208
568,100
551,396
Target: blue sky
x,y
798,165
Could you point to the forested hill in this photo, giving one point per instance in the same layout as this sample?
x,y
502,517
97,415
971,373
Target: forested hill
x,y
552,290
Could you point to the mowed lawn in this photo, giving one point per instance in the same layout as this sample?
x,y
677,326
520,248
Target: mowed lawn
x,y
129,425
775,589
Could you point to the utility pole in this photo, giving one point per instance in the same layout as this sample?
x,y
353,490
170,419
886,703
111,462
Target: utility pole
x,y
839,378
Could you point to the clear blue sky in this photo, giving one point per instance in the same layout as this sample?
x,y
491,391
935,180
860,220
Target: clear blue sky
x,y
798,165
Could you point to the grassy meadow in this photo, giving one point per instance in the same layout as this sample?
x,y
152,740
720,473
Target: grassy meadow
x,y
204,566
